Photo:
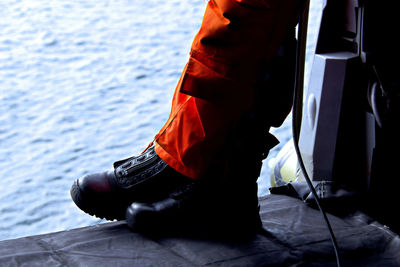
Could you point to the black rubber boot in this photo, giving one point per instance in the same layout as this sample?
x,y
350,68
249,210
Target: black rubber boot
x,y
166,214
223,204
143,178
199,210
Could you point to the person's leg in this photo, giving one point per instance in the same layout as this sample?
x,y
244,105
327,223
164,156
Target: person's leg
x,y
216,114
222,79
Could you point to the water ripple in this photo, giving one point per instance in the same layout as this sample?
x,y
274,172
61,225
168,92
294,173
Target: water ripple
x,y
74,76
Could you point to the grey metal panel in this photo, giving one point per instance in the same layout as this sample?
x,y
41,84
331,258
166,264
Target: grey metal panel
x,y
320,125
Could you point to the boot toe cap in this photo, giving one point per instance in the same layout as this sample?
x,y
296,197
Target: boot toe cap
x,y
96,183
139,216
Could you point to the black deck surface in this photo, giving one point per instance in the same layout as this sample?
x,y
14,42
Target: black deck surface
x,y
293,235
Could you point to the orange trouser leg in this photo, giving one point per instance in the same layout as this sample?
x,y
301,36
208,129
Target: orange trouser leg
x,y
220,81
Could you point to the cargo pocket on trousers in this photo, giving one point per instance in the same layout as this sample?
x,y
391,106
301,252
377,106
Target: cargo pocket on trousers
x,y
203,82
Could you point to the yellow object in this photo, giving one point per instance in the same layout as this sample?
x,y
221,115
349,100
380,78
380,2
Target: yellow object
x,y
284,166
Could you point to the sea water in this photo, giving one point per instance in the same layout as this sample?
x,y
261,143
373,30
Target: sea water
x,y
82,84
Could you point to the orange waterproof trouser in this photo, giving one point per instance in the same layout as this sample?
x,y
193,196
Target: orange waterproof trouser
x,y
219,83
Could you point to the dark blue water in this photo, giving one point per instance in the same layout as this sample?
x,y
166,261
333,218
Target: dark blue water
x,y
82,84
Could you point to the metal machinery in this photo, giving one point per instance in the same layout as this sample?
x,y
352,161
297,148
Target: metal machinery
x,y
349,135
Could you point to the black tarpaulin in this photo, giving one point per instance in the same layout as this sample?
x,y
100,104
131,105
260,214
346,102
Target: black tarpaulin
x,y
293,235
